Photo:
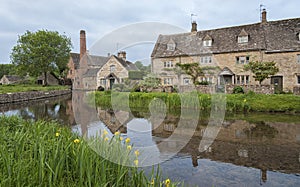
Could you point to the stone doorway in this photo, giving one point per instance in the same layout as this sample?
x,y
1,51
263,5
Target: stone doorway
x,y
277,81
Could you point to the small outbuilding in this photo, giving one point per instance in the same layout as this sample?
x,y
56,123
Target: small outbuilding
x,y
10,79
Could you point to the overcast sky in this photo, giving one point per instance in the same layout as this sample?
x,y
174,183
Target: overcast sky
x,y
101,17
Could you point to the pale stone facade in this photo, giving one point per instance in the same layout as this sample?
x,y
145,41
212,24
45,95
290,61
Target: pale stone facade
x,y
90,72
226,50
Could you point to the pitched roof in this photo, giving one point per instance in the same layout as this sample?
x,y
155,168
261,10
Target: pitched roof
x,y
76,59
91,72
93,60
271,36
12,78
127,64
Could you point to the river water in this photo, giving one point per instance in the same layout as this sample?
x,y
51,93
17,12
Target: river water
x,y
256,149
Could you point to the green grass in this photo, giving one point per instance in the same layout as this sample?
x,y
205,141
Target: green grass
x,y
46,154
28,87
234,102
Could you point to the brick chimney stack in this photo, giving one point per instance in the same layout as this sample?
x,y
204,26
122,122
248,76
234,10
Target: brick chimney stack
x,y
194,26
82,43
122,54
264,16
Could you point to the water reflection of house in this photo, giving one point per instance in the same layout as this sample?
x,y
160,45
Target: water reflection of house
x,y
266,146
115,120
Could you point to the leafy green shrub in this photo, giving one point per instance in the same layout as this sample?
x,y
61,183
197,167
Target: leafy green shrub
x,y
238,90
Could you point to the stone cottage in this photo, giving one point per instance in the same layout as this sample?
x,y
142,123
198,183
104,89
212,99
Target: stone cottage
x,y
10,79
89,72
223,53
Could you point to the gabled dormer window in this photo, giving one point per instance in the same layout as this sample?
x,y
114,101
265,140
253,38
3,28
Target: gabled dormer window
x,y
298,36
171,45
243,37
207,41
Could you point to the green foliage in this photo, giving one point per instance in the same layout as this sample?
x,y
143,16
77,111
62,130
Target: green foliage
x,y
11,88
238,90
47,154
192,69
135,75
234,102
41,52
261,70
151,81
7,69
203,83
144,69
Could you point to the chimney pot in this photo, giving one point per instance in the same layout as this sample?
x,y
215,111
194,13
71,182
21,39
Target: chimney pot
x,y
122,55
194,26
264,16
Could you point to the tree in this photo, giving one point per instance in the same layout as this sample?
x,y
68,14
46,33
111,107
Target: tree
x,y
192,69
7,69
41,52
145,69
261,70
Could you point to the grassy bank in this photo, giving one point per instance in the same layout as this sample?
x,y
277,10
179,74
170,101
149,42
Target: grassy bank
x,y
234,102
47,154
28,87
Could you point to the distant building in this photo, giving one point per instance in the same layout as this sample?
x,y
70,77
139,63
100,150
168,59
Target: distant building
x,y
10,79
90,71
51,79
225,51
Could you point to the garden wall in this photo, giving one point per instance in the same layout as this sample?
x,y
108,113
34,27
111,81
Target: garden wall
x,y
32,95
260,89
296,90
206,89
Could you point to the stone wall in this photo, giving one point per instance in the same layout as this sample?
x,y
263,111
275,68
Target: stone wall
x,y
296,90
260,89
206,89
32,95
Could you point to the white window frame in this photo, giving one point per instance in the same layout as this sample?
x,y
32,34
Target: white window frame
x,y
168,81
168,64
103,81
243,39
171,47
242,59
112,68
242,79
207,43
186,81
205,59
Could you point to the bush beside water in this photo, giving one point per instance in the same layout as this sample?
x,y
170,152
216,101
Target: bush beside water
x,y
234,102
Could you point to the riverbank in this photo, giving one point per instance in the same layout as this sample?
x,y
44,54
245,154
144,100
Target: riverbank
x,y
32,95
47,154
251,102
12,88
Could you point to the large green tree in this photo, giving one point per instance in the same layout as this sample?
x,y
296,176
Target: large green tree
x,y
261,70
192,69
41,52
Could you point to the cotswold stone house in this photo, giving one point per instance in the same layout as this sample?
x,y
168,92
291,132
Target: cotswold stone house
x,y
223,53
10,79
90,72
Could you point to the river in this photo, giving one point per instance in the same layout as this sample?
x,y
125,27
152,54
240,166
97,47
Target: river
x,y
256,149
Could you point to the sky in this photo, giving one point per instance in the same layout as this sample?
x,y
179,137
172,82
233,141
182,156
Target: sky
x,y
100,18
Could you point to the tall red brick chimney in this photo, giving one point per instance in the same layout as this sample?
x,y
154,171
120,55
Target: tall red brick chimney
x,y
82,43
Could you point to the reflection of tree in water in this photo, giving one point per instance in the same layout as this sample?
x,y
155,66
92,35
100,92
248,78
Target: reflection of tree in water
x,y
260,130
